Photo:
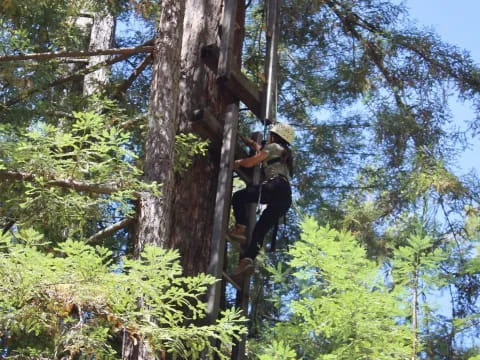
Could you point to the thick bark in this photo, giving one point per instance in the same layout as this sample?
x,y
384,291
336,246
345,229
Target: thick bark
x,y
182,217
101,37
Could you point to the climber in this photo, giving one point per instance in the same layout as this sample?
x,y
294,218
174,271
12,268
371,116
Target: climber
x,y
275,192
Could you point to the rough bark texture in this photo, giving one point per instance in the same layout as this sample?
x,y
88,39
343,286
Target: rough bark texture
x,y
182,217
154,213
101,37
195,193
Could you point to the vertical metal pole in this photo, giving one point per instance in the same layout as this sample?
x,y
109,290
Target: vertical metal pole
x,y
271,62
222,208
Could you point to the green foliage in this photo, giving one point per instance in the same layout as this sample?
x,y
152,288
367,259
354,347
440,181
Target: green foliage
x,y
366,91
85,152
419,259
472,222
74,302
344,311
187,146
278,351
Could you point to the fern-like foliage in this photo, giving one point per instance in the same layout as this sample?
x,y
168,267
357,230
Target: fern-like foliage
x,y
75,301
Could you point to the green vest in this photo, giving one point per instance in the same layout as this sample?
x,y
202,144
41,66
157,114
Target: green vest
x,y
273,165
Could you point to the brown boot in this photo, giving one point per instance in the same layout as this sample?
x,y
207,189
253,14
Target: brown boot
x,y
243,270
238,235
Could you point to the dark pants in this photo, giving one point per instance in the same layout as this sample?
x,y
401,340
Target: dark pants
x,y
277,194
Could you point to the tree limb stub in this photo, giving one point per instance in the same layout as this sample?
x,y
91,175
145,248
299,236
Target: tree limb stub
x,y
77,54
110,230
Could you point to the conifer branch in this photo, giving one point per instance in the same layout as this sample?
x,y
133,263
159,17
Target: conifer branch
x,y
349,20
62,183
77,54
110,230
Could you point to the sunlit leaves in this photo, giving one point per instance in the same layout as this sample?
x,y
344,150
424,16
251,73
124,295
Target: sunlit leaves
x,y
278,351
418,259
87,151
74,300
187,146
343,305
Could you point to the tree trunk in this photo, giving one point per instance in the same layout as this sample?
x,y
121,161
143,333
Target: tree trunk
x,y
414,316
101,37
195,193
154,212
182,217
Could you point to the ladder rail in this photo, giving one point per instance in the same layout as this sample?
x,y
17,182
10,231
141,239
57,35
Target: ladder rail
x,y
222,207
267,111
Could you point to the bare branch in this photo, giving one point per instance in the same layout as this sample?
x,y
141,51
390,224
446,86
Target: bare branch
x,y
136,121
63,183
351,187
110,230
138,70
77,54
72,77
63,80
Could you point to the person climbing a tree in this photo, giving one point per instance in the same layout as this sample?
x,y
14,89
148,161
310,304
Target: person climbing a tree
x,y
277,162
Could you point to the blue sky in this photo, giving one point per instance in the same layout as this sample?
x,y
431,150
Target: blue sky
x,y
457,22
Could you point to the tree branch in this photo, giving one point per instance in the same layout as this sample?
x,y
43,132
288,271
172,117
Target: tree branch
x,y
349,20
350,187
110,230
62,183
74,76
122,88
76,54
132,122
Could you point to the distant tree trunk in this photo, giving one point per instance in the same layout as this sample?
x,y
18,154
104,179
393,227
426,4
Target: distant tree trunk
x,y
102,36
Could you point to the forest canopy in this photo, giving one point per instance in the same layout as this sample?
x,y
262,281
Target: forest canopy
x,y
378,258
